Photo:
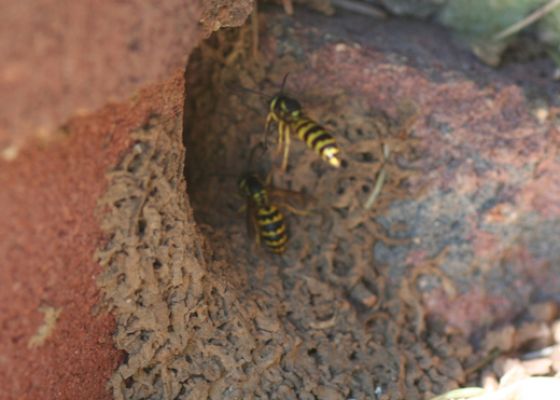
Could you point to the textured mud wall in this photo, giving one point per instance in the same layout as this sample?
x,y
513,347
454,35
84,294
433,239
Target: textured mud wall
x,y
195,325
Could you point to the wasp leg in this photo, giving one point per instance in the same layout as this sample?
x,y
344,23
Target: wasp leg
x,y
268,180
286,135
293,209
269,120
281,127
258,241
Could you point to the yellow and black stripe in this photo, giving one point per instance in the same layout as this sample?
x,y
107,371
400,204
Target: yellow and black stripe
x,y
290,118
317,138
267,217
272,228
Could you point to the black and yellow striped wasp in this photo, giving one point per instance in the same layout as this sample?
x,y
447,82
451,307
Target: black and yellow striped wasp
x,y
262,216
290,119
265,221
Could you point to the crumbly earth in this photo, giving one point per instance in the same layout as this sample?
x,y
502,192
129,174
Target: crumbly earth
x,y
341,328
208,318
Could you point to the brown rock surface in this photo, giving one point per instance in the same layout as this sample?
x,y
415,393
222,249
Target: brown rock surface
x,y
463,231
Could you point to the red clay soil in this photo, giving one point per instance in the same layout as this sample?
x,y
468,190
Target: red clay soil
x,y
79,55
59,62
48,237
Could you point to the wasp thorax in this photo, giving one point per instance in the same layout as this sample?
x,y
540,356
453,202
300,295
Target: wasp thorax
x,y
250,185
285,106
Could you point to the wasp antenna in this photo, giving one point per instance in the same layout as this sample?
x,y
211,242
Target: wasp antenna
x,y
284,82
259,146
238,88
266,136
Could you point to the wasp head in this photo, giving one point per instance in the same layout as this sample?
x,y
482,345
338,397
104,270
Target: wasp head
x,y
249,185
285,107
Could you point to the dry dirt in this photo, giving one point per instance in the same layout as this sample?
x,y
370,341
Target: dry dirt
x,y
232,323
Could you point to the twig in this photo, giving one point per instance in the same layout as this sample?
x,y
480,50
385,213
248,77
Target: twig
x,y
528,20
377,189
288,7
463,393
487,359
542,388
380,179
533,355
360,8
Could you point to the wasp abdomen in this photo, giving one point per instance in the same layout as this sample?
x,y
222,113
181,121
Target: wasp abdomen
x,y
272,228
317,138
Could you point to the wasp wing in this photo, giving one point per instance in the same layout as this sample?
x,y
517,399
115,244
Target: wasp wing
x,y
295,202
251,221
